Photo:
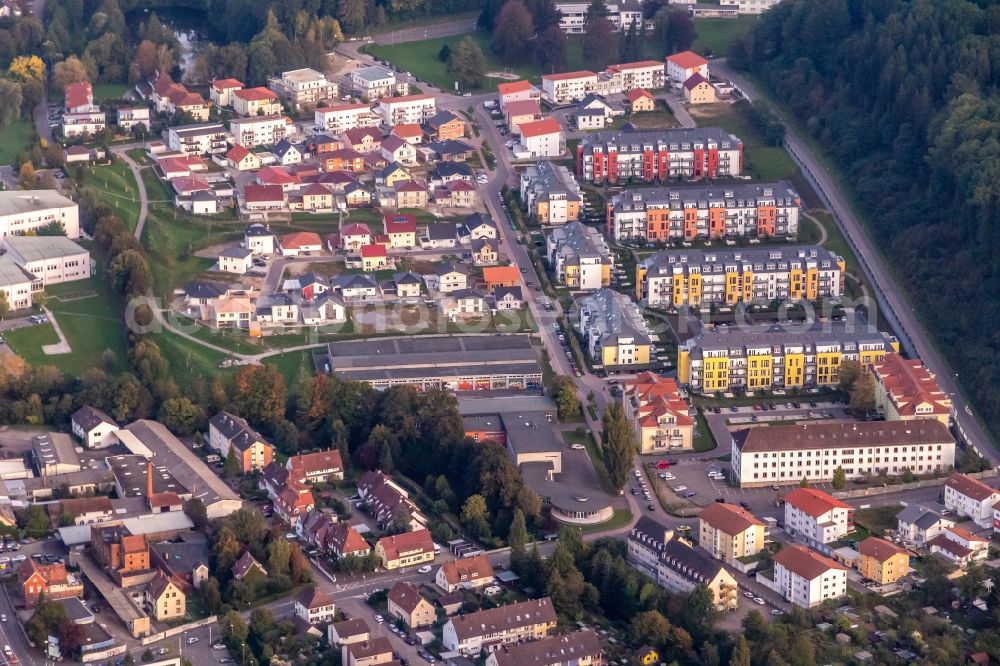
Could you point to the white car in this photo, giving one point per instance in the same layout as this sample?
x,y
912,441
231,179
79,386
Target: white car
x,y
748,595
680,489
776,611
758,601
424,569
379,619
218,646
667,476
578,447
192,640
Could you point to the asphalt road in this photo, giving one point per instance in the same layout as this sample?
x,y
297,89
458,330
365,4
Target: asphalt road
x,y
895,306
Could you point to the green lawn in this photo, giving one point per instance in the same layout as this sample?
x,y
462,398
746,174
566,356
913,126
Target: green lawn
x,y
621,518
761,162
15,138
715,35
293,365
702,439
109,91
116,187
877,520
190,361
27,343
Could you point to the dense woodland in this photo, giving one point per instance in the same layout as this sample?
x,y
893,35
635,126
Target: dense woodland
x,y
903,94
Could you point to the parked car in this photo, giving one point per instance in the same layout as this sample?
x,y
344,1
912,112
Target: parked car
x,y
424,569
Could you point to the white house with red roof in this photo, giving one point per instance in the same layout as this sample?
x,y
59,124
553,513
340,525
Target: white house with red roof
x,y
272,175
221,91
81,116
374,258
342,117
353,236
906,390
960,546
397,149
401,228
264,198
300,242
661,418
293,500
806,578
971,497
256,101
542,138
517,91
242,159
817,516
568,86
681,66
79,97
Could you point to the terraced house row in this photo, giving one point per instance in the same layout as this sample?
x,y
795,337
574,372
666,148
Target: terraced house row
x,y
696,153
725,359
687,212
678,278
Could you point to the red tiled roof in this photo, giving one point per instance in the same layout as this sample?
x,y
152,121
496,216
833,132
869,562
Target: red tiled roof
x,y
271,175
407,130
523,107
473,568
405,98
226,84
257,94
687,60
418,540
568,75
190,184
969,487
301,239
78,94
909,384
373,251
636,93
814,502
694,81
355,229
514,87
729,518
237,153
400,223
262,193
539,128
880,549
341,107
805,562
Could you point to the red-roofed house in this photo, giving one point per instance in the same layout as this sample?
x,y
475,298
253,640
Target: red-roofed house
x,y
355,235
242,159
79,97
410,194
292,501
364,139
817,516
185,101
697,90
300,242
271,175
681,66
398,149
401,229
517,91
255,102
345,541
374,258
264,197
907,390
542,138
406,549
221,92
188,185
970,497
660,418
806,578
344,159
174,167
960,546
521,112
457,194
51,581
411,133
641,101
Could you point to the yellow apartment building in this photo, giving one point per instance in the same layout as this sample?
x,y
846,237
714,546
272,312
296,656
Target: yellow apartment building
x,y
729,532
882,561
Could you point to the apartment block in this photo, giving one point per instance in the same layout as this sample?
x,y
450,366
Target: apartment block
x,y
504,625
614,332
814,451
542,138
729,532
728,359
303,87
882,561
517,91
256,101
970,497
580,648
806,578
906,389
644,74
198,139
817,516
652,155
26,211
550,193
230,432
407,110
622,16
749,6
661,419
682,66
259,130
372,83
579,256
714,212
340,118
568,86
697,278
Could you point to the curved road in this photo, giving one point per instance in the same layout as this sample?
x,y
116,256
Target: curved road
x,y
896,308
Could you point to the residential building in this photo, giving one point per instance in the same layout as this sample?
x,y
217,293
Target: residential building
x,y
517,91
228,431
729,532
485,251
406,549
344,159
698,278
407,604
343,117
374,258
409,194
452,277
354,236
907,390
806,578
165,598
348,631
93,427
51,259
749,6
622,16
185,559
300,242
242,159
221,91
579,648
256,102
521,112
384,497
401,228
50,581
371,652
817,516
675,564
661,419
714,212
363,139
969,497
407,285
439,235
81,116
917,524
650,155
357,287
614,330
401,151
412,134
129,117
960,546
481,226
643,74
504,625
374,83
293,502
579,256
26,211
882,561
198,139
471,573
259,239
314,606
416,109
259,130
550,193
289,153
728,359
568,86
319,466
697,90
640,101
682,66
463,303
814,451
303,88
345,541
542,138
445,125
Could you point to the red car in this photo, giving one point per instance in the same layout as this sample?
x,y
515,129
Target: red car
x,y
663,464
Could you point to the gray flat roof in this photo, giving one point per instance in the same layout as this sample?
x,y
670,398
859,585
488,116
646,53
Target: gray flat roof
x,y
373,73
131,473
11,274
530,432
429,351
13,202
40,248
441,371
482,423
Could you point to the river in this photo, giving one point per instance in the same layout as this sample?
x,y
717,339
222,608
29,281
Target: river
x,y
189,26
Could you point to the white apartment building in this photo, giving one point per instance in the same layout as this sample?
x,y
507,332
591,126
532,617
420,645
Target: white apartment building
x,y
303,87
568,86
259,130
517,91
16,284
207,139
372,83
682,66
817,516
579,256
85,123
542,138
407,110
788,454
622,15
970,497
806,578
129,117
749,6
23,211
503,625
51,259
918,524
648,74
343,117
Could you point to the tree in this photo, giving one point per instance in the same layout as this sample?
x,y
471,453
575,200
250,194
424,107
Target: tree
x,y
261,621
850,370
567,403
211,594
863,394
68,71
234,629
46,620
351,14
4,305
600,40
27,68
10,101
260,393
513,32
741,653
517,538
279,554
147,59
550,49
128,393
804,483
649,628
467,64
445,53
475,516
181,416
195,509
839,478
618,444
232,466
26,177
680,31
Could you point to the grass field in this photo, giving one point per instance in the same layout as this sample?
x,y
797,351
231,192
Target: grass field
x,y
27,343
761,162
621,518
190,361
293,365
715,35
116,187
16,137
109,91
877,520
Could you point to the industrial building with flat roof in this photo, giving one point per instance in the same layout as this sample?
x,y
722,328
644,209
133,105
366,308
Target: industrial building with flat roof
x,y
24,211
51,259
452,362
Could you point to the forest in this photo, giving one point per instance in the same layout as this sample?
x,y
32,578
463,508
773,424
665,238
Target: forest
x,y
903,95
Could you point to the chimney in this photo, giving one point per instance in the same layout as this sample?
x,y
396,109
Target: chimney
x,y
149,479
